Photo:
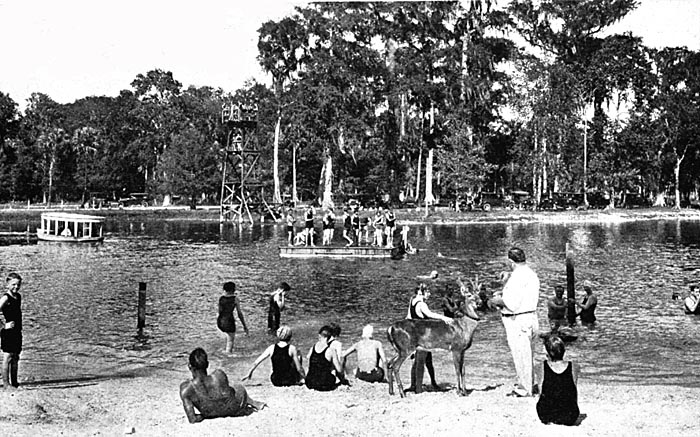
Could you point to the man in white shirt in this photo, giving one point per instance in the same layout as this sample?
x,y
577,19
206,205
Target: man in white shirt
x,y
518,305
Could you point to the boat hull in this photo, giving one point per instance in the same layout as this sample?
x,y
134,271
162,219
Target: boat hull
x,y
62,239
334,252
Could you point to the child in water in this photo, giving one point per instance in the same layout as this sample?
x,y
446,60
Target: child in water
x,y
558,402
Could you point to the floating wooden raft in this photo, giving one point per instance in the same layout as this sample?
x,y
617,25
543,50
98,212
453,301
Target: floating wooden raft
x,y
335,252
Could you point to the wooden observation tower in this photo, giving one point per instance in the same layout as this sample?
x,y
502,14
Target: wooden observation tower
x,y
241,192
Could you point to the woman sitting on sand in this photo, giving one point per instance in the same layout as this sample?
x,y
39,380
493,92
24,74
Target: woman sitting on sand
x,y
558,402
287,369
322,361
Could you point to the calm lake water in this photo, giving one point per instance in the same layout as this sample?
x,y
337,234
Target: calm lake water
x,y
80,301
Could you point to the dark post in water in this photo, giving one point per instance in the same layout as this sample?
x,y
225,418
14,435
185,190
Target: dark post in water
x,y
570,287
142,306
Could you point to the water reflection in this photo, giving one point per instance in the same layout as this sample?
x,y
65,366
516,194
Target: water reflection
x,y
80,301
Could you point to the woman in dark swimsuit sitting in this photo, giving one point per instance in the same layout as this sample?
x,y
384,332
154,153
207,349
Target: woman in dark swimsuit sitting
x,y
558,402
226,322
322,361
287,369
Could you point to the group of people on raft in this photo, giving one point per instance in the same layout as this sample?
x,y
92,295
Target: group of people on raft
x,y
374,229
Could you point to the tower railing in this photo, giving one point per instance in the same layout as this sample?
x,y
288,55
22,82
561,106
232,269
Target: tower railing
x,y
241,191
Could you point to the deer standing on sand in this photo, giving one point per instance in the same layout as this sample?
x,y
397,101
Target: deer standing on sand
x,y
408,335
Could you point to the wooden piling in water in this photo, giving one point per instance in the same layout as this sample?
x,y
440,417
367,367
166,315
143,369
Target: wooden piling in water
x,y
142,306
570,287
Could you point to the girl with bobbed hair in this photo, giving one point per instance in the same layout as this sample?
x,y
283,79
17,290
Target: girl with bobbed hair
x,y
558,402
324,364
226,321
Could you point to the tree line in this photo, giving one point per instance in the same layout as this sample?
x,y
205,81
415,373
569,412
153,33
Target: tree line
x,y
416,100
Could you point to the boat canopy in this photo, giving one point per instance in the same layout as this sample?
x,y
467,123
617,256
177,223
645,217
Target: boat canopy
x,y
76,226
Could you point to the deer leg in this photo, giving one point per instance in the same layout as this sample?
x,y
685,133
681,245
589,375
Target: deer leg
x,y
390,376
396,368
458,360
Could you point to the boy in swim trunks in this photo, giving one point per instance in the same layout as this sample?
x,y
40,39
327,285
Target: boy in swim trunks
x,y
276,306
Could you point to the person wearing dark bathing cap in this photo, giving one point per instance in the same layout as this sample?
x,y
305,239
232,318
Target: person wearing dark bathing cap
x,y
276,306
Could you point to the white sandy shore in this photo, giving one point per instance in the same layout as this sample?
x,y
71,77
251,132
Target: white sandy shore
x,y
150,405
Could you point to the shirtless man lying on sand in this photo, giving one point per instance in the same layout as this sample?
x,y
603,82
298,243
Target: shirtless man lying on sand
x,y
211,394
370,356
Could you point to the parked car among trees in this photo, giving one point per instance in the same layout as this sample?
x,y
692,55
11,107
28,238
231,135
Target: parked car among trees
x,y
135,199
99,200
522,199
634,200
558,201
486,201
598,200
690,203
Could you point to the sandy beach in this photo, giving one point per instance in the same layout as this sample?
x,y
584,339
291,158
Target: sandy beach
x,y
150,405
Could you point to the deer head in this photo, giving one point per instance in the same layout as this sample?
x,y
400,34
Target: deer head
x,y
472,298
476,284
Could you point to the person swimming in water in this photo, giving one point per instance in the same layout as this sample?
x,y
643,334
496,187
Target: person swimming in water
x,y
588,305
556,309
691,303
